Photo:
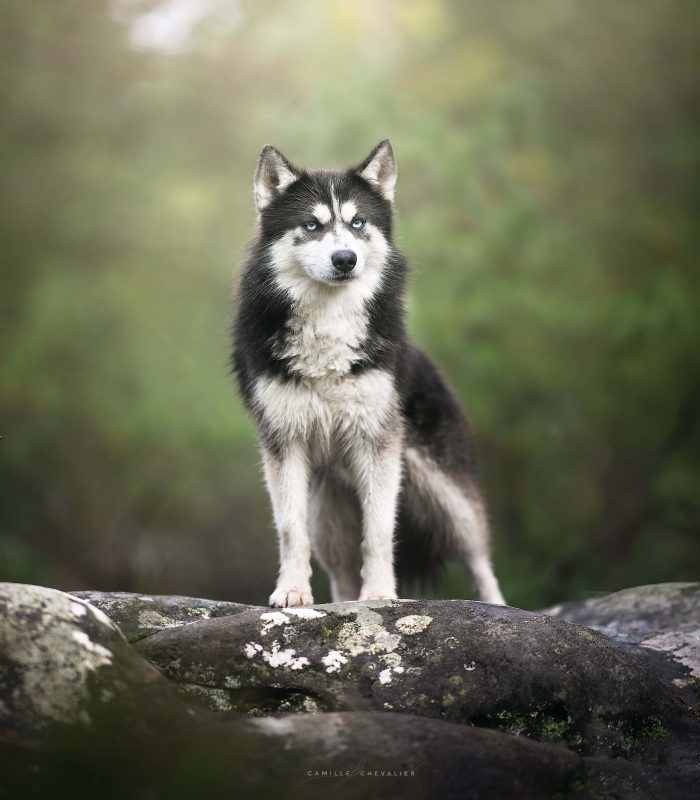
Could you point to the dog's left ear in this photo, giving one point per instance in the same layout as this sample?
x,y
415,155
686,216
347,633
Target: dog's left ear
x,y
272,176
379,169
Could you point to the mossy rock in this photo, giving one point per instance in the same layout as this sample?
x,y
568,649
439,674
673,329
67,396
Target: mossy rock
x,y
457,660
63,663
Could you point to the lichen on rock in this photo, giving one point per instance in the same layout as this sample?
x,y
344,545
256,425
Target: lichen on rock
x,y
62,660
537,705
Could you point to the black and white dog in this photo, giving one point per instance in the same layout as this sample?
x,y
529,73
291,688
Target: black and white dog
x,y
362,442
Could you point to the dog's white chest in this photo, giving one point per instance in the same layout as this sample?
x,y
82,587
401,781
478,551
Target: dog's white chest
x,y
319,347
325,335
327,411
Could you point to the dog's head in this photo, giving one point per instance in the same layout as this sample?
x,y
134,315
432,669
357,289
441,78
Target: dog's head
x,y
330,227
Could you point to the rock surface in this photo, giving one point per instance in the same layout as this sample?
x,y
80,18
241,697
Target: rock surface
x,y
399,698
138,615
660,623
64,663
457,660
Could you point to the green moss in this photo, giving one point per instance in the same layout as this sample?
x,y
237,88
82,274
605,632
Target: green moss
x,y
657,730
511,722
555,730
696,685
637,731
545,722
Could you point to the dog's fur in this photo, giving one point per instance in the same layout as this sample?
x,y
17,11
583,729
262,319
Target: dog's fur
x,y
361,439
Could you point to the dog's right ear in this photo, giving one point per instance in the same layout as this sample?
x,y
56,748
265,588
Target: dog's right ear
x,y
272,176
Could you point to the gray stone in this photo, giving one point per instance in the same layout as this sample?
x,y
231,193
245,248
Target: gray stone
x,y
660,623
63,662
375,754
463,661
139,616
355,754
477,686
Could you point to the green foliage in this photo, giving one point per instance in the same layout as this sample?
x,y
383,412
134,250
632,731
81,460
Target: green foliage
x,y
547,199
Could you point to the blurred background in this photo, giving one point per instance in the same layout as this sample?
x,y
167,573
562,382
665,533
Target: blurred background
x,y
548,200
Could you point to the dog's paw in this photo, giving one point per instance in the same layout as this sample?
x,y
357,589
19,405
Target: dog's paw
x,y
378,596
285,597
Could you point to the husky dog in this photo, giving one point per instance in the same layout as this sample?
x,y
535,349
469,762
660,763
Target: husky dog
x,y
362,442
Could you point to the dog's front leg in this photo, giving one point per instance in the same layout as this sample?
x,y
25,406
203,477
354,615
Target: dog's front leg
x,y
378,480
287,476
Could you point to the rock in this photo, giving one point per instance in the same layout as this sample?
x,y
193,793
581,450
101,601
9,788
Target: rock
x,y
355,754
462,661
64,663
660,623
139,616
452,699
380,754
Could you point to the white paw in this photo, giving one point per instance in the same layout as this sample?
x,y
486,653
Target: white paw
x,y
293,596
373,595
494,598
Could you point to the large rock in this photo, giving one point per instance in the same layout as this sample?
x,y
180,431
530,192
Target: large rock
x,y
493,702
139,615
64,663
369,754
356,754
660,623
457,660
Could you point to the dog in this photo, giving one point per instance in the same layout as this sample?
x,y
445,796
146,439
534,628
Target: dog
x,y
362,442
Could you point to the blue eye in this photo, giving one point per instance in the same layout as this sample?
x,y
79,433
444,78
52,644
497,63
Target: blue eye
x,y
357,223
311,226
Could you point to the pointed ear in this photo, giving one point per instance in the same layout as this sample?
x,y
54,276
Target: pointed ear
x,y
272,176
379,168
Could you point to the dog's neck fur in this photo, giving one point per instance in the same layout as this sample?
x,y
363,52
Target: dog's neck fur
x,y
325,333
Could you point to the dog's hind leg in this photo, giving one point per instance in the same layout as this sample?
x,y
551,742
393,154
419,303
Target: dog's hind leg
x,y
460,516
335,526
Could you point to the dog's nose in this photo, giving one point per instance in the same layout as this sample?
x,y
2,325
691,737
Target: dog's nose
x,y
344,260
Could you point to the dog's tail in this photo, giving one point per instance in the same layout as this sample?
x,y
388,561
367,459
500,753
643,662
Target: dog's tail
x,y
422,546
